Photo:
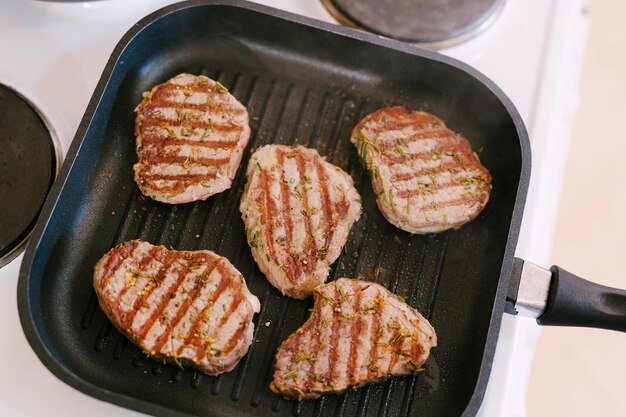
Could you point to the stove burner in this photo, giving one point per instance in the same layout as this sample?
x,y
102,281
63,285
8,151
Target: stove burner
x,y
433,23
28,166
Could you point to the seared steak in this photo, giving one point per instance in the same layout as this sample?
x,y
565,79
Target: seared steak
x,y
298,210
359,332
426,177
190,138
189,308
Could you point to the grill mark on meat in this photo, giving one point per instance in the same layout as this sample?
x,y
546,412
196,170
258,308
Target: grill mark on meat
x,y
294,343
391,124
334,338
417,133
182,310
416,350
395,348
169,159
393,118
341,208
180,177
165,300
164,123
388,144
270,212
356,330
114,262
306,212
194,335
467,195
163,94
234,305
454,150
313,347
285,194
175,188
167,142
452,167
237,336
148,288
159,101
195,86
372,369
144,260
156,105
327,219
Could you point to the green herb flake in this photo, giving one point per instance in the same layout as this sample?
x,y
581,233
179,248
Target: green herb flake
x,y
321,253
364,155
204,135
391,202
177,362
221,87
170,133
170,196
254,242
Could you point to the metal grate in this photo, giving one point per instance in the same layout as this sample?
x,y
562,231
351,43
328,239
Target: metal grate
x,y
284,112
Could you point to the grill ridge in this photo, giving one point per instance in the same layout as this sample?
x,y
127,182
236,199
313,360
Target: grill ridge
x,y
408,397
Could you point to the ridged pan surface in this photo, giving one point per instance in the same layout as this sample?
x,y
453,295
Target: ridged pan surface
x,y
302,83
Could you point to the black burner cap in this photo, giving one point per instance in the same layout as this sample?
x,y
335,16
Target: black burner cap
x,y
28,166
419,21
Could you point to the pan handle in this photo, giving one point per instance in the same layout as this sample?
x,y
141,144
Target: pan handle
x,y
557,297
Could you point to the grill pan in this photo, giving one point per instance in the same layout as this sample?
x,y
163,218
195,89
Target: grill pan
x,y
303,82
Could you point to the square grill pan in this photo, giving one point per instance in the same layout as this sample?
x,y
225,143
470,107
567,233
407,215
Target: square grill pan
x,y
303,82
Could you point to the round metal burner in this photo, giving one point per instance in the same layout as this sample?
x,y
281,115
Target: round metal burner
x,y
432,23
29,162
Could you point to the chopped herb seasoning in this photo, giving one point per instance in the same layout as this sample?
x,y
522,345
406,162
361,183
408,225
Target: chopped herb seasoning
x,y
170,196
170,132
364,155
321,253
253,239
220,87
177,362
204,135
391,202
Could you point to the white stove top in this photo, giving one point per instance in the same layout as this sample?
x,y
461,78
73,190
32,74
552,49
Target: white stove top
x,y
54,55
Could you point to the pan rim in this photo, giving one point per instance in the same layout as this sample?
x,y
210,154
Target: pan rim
x,y
24,297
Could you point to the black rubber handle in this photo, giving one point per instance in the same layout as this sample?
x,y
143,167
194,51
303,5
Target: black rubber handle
x,y
574,301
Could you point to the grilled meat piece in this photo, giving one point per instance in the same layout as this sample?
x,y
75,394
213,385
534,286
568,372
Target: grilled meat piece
x,y
359,332
190,308
191,134
298,210
426,177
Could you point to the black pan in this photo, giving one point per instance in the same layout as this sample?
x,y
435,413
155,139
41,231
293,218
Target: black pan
x,y
303,82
